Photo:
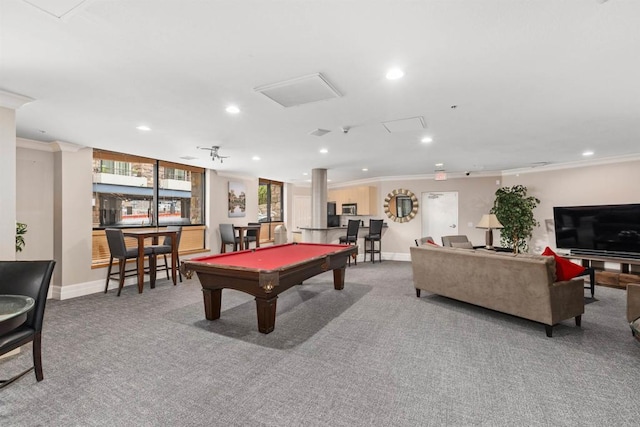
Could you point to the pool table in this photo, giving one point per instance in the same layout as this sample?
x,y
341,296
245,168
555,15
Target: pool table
x,y
266,272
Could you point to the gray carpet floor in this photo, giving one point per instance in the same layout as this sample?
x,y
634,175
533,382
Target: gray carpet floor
x,y
370,355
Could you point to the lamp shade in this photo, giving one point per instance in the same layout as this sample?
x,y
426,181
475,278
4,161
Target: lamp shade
x,y
489,221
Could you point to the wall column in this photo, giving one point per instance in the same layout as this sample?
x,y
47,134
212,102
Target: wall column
x,y
72,215
319,205
9,103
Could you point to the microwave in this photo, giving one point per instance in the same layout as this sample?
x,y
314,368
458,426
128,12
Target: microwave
x,y
349,209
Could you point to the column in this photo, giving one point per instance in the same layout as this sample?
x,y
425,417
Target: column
x,y
9,103
319,205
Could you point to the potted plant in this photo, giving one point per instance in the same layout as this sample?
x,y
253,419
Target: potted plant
x,y
514,210
21,230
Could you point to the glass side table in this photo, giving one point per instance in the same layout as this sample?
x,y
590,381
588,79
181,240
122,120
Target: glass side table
x,y
13,311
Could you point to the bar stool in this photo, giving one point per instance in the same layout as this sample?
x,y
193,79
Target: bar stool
x,y
375,235
165,248
351,238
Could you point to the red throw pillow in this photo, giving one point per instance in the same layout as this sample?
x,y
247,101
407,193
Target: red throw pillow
x,y
565,269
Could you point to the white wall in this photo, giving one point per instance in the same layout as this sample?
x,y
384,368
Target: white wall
x,y
34,201
589,185
475,198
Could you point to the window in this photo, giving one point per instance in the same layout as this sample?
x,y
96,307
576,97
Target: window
x,y
137,191
269,201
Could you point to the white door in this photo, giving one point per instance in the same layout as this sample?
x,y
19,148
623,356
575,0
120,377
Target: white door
x,y
439,214
301,212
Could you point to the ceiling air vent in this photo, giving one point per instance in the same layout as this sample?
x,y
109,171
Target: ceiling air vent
x,y
405,125
301,90
319,132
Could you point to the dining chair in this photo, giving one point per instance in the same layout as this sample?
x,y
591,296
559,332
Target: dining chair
x,y
252,235
228,237
375,235
351,238
164,249
119,251
32,279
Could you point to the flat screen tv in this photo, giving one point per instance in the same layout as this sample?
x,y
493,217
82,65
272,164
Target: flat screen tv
x,y
610,230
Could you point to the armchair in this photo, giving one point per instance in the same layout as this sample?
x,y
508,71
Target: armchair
x,y
30,278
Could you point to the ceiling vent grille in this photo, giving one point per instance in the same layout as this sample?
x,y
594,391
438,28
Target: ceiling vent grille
x,y
61,9
405,125
299,91
319,132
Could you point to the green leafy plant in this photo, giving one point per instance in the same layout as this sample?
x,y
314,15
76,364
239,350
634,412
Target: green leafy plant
x,y
514,210
21,230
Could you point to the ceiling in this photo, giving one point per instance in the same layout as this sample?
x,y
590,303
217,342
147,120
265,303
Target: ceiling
x,y
497,84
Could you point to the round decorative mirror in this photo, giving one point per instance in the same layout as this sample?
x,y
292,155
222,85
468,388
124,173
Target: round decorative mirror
x,y
401,205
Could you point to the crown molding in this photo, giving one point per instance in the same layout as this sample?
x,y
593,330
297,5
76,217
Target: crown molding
x,y
13,100
66,146
31,144
573,165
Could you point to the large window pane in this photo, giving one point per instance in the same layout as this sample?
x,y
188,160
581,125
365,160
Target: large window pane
x,y
124,192
269,201
180,195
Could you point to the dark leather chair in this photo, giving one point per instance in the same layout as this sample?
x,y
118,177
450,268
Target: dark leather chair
x,y
228,237
30,278
375,235
351,237
165,249
252,235
119,251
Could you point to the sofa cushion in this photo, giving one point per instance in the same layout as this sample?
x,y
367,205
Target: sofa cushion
x,y
565,269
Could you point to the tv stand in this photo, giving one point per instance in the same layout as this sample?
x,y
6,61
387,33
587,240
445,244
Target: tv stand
x,y
627,272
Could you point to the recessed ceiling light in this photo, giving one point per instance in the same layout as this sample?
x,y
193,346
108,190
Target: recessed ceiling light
x,y
305,173
255,158
143,127
439,164
364,169
395,74
587,153
427,139
232,109
324,150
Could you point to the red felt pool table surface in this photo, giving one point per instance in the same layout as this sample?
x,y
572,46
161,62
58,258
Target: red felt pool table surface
x,y
266,272
272,257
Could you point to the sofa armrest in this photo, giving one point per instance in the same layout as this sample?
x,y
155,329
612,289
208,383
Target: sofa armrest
x,y
633,301
567,299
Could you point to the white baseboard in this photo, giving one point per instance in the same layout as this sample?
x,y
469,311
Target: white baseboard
x,y
87,288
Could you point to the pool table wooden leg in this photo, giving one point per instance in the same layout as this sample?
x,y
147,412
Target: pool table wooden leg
x,y
212,299
266,309
338,278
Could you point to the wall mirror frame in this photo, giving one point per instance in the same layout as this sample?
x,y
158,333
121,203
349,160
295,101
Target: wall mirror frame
x,y
401,205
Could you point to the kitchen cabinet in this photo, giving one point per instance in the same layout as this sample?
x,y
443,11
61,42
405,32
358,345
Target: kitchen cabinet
x,y
366,197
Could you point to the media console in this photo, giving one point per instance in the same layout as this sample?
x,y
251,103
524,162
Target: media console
x,y
627,272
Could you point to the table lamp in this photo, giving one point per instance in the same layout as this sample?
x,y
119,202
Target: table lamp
x,y
489,221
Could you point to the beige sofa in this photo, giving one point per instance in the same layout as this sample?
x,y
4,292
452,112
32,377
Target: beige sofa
x,y
522,285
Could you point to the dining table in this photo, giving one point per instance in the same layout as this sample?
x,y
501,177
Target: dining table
x,y
242,231
154,234
14,310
